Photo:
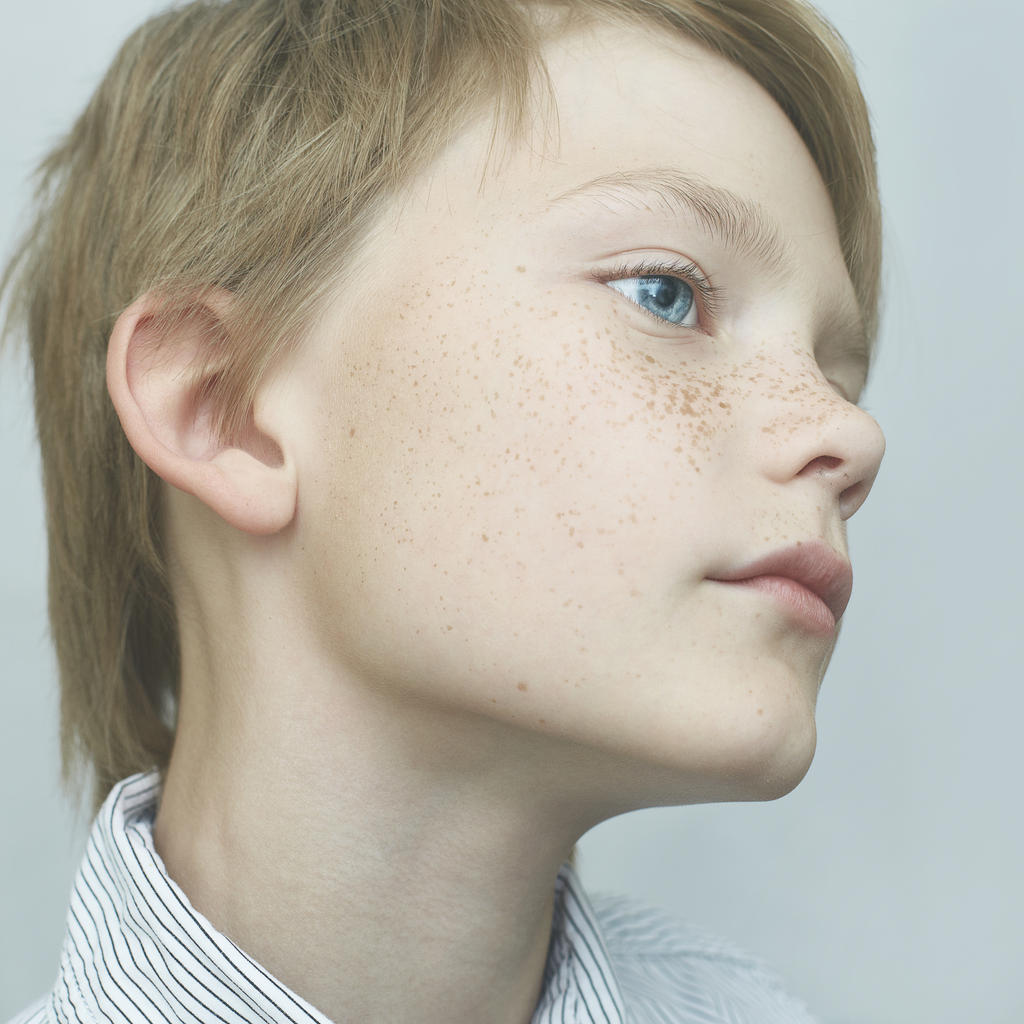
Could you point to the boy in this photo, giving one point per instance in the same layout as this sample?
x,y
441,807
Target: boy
x,y
449,428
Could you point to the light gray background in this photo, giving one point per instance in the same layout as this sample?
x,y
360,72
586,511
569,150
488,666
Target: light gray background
x,y
887,887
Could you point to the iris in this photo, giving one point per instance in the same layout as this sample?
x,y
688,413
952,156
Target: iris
x,y
669,298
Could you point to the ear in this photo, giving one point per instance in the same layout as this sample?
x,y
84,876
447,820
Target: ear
x,y
166,415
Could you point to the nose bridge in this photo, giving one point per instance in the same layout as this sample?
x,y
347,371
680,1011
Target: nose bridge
x,y
804,429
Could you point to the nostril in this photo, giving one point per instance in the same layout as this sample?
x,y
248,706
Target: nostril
x,y
823,464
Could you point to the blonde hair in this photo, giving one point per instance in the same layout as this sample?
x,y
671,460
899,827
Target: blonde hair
x,y
248,145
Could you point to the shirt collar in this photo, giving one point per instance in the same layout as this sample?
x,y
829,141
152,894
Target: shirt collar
x,y
137,948
579,984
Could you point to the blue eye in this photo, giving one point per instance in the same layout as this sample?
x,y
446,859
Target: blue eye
x,y
669,298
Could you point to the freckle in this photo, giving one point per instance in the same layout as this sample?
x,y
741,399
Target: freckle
x,y
542,721
521,269
760,711
352,432
485,537
522,686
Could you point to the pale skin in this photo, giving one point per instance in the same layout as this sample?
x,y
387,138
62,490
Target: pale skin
x,y
453,608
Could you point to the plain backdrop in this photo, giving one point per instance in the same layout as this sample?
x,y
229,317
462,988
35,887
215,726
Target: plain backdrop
x,y
887,887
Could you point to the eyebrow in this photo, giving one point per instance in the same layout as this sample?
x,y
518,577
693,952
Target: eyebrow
x,y
734,221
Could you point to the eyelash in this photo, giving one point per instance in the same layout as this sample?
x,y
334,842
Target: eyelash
x,y
710,296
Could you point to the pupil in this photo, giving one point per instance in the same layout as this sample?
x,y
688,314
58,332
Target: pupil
x,y
665,291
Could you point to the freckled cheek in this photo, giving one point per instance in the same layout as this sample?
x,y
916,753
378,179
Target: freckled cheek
x,y
670,398
567,389
436,405
482,415
483,424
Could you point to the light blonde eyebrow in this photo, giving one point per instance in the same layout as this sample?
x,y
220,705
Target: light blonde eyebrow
x,y
736,222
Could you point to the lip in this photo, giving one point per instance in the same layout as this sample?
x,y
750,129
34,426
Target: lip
x,y
824,581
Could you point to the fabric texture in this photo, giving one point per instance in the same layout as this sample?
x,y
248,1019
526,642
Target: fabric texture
x,y
136,951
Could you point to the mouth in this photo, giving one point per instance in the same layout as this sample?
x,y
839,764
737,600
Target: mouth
x,y
809,578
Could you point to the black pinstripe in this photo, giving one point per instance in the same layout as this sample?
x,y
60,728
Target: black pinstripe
x,y
137,951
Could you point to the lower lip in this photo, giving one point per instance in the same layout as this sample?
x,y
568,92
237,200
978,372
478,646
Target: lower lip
x,y
803,605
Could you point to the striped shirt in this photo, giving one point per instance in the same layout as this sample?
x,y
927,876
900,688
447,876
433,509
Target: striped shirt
x,y
136,950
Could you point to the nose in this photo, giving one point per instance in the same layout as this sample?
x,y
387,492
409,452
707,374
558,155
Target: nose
x,y
813,433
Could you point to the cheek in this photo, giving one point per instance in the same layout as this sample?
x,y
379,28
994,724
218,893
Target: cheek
x,y
540,428
512,464
511,510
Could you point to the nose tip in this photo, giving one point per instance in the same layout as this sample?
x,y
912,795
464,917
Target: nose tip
x,y
845,457
873,451
858,446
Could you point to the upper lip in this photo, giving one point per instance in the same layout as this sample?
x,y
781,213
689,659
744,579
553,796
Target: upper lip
x,y
812,564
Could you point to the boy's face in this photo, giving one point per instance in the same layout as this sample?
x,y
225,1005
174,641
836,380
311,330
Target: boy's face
x,y
517,487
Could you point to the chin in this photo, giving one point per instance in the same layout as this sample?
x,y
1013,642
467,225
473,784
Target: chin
x,y
775,761
742,762
761,758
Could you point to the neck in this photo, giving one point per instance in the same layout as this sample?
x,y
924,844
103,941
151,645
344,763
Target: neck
x,y
386,860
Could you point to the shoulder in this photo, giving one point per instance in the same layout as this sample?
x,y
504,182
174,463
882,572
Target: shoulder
x,y
665,966
37,1013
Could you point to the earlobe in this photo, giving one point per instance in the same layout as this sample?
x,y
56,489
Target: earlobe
x,y
164,411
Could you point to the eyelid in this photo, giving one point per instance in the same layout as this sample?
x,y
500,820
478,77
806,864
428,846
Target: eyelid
x,y
710,297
